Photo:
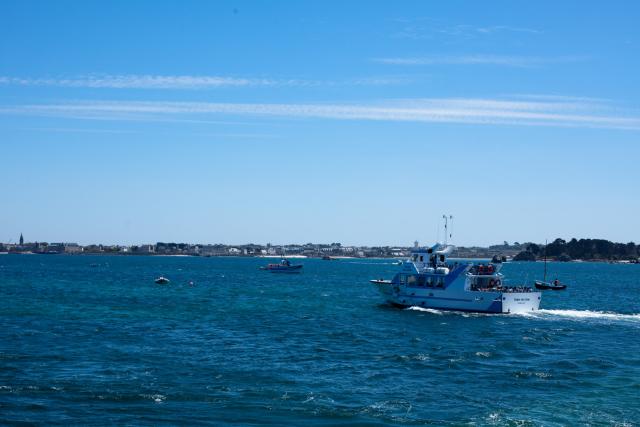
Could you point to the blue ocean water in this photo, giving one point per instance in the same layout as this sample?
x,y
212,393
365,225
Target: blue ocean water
x,y
93,341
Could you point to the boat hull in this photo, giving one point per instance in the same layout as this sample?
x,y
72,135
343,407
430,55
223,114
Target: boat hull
x,y
283,269
462,300
548,286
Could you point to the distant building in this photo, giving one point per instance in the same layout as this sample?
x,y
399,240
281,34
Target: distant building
x,y
145,249
21,240
213,250
55,248
72,248
93,248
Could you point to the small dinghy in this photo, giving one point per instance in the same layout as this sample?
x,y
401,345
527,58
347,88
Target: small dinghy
x,y
162,280
556,285
285,266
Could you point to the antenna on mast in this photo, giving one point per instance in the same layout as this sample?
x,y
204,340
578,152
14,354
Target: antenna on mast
x,y
446,227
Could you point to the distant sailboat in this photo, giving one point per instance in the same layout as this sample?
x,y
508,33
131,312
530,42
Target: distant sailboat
x,y
543,284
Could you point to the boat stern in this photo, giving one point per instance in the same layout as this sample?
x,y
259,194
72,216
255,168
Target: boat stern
x,y
520,302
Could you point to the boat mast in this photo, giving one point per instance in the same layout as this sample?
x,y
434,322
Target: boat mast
x,y
545,261
446,227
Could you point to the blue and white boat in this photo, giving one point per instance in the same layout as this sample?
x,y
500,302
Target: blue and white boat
x,y
428,280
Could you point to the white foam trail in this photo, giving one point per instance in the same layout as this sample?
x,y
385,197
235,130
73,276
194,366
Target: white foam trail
x,y
544,314
451,312
426,310
588,314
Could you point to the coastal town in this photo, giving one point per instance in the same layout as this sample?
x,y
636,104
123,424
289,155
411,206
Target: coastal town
x,y
602,250
311,250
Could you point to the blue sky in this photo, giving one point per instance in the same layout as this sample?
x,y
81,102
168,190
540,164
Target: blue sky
x,y
364,122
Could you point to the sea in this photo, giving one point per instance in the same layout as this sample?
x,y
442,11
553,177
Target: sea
x,y
92,340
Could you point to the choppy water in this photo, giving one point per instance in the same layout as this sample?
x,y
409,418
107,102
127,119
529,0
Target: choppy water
x,y
102,344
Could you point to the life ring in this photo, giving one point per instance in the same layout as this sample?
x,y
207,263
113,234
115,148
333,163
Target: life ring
x,y
492,282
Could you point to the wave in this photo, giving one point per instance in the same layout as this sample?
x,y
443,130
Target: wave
x,y
544,314
586,314
426,310
451,312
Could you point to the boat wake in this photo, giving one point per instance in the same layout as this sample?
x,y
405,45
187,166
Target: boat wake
x,y
545,314
585,314
426,310
451,312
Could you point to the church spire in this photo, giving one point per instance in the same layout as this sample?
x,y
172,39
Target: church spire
x,y
21,240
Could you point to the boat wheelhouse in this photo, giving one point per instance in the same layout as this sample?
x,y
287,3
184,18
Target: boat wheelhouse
x,y
427,279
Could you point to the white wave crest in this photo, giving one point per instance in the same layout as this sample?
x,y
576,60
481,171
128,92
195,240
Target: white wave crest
x,y
587,314
451,312
544,314
426,310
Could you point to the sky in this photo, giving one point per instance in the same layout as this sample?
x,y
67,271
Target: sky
x,y
291,122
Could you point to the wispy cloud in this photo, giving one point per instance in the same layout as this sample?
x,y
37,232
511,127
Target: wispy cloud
x,y
128,81
501,60
76,130
132,81
428,28
506,28
447,110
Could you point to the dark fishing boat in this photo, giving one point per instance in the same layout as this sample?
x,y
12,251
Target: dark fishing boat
x,y
556,285
284,266
161,280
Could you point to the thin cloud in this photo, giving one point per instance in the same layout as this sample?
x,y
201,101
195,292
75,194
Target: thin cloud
x,y
445,110
501,60
506,28
129,81
428,28
132,81
76,130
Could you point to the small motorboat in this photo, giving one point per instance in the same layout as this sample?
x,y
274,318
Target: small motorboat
x,y
284,266
162,280
556,285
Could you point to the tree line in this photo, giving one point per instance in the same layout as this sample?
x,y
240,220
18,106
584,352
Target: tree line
x,y
587,249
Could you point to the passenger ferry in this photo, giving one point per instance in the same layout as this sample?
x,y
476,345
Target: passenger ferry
x,y
427,280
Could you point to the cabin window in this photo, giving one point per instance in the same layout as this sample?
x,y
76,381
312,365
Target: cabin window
x,y
415,258
421,258
411,280
402,278
421,280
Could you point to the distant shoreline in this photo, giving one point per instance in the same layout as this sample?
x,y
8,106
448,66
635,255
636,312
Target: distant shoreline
x,y
120,254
